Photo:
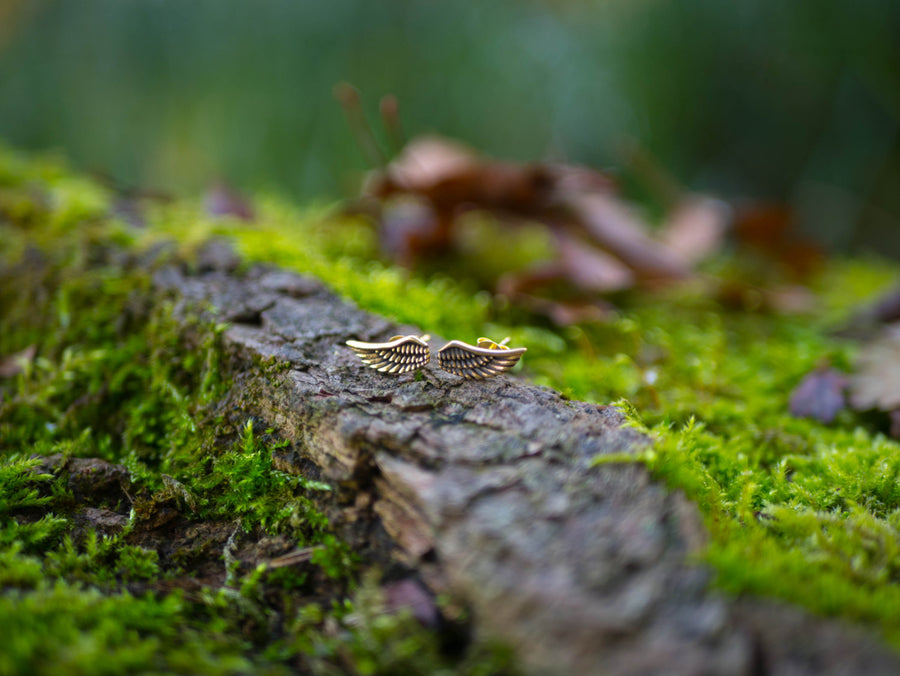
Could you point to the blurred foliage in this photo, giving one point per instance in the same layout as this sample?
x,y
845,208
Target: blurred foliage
x,y
794,102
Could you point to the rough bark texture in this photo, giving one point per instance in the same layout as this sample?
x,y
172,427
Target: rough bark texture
x,y
485,491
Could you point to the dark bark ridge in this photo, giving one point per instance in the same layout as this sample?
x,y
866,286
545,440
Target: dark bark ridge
x,y
485,490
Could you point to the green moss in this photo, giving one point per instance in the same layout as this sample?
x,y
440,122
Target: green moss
x,y
101,561
367,640
797,510
64,629
243,484
18,481
111,377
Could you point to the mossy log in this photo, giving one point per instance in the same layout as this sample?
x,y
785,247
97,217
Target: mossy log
x,y
485,491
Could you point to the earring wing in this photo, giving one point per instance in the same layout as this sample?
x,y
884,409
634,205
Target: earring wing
x,y
399,355
477,363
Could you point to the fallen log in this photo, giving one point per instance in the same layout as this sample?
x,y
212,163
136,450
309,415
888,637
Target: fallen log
x,y
485,492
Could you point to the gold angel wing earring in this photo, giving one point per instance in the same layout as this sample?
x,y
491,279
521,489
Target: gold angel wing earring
x,y
399,355
485,360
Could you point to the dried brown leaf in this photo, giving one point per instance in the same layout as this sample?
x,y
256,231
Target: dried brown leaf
x,y
223,200
792,299
615,228
590,270
876,382
411,228
576,178
601,244
425,162
580,269
695,229
442,179
567,313
770,229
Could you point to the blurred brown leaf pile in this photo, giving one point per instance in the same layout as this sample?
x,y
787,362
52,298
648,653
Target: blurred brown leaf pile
x,y
599,243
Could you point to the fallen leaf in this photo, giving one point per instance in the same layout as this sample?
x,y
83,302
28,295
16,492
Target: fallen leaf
x,y
695,229
590,270
580,266
695,225
792,299
222,200
820,395
577,178
613,227
584,271
876,382
763,226
424,162
770,229
410,228
444,179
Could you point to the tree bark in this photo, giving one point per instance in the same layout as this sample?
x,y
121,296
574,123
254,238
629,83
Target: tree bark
x,y
485,491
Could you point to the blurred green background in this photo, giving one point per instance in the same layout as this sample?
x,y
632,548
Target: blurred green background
x,y
797,102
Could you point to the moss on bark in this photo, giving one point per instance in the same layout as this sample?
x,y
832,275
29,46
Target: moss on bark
x,y
143,526
797,510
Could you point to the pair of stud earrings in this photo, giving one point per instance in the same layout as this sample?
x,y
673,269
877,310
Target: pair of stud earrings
x,y
408,353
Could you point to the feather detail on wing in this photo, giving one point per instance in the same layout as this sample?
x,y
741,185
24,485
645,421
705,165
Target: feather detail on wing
x,y
478,363
399,355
